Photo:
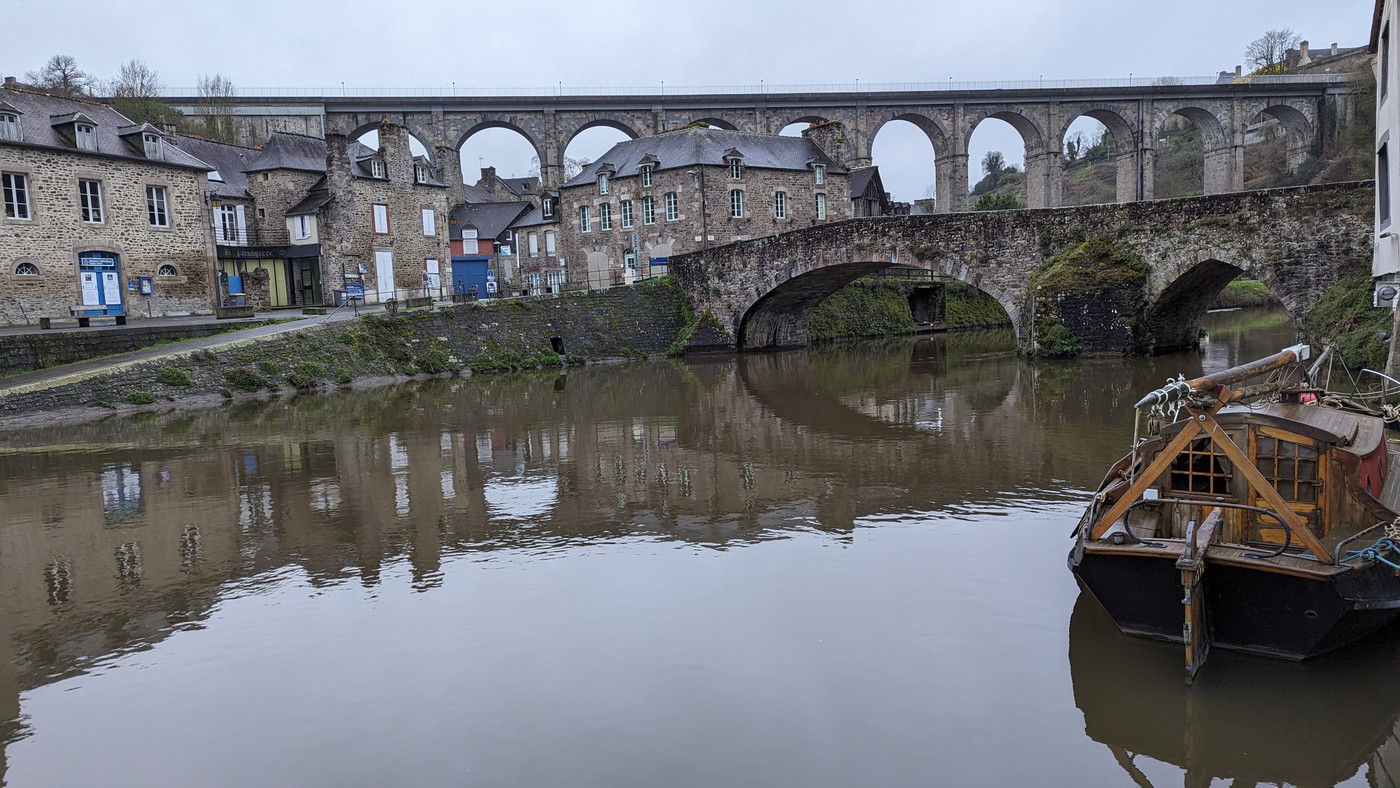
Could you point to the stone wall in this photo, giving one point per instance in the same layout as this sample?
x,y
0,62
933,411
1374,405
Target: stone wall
x,y
55,235
24,352
624,322
275,192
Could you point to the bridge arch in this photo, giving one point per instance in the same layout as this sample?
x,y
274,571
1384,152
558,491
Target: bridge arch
x,y
483,125
607,123
366,128
1037,158
717,122
1298,129
937,135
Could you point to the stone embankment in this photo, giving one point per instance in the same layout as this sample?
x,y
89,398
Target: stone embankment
x,y
641,320
23,352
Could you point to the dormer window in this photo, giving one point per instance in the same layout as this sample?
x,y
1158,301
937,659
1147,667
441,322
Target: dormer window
x,y
9,127
547,208
86,136
646,175
602,183
376,168
152,143
420,173
736,169
820,172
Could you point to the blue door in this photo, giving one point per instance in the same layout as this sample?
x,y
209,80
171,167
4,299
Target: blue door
x,y
99,283
468,273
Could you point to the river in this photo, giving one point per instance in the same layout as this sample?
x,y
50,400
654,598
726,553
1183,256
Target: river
x,y
833,567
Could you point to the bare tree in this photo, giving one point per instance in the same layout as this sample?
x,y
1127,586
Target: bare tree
x,y
61,76
1266,53
572,166
216,103
136,94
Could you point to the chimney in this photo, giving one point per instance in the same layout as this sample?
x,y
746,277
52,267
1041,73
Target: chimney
x,y
1303,58
1239,71
395,151
830,139
1334,49
166,127
11,83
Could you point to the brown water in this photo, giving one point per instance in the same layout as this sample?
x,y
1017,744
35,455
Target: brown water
x,y
843,566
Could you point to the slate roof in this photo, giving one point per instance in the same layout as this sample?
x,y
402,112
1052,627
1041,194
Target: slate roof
x,y
39,112
318,195
522,186
229,160
285,151
535,218
477,194
690,146
489,218
860,181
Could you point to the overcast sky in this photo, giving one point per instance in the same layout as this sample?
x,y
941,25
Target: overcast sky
x,y
312,43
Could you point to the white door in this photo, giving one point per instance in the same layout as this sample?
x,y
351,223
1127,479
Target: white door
x,y
384,273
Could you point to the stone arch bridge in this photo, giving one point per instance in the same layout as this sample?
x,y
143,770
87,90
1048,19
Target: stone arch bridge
x,y
1307,106
1295,240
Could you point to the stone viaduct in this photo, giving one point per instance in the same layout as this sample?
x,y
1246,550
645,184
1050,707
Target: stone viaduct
x,y
1295,240
1223,108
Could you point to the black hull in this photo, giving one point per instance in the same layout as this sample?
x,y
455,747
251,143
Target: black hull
x,y
1250,610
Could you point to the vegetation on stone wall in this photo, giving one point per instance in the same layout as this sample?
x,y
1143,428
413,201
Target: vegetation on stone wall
x,y
967,307
1345,318
867,307
1091,270
1244,294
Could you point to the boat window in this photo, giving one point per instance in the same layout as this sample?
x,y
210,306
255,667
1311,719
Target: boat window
x,y
1290,467
1201,468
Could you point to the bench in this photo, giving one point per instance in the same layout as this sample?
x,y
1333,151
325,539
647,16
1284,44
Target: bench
x,y
84,316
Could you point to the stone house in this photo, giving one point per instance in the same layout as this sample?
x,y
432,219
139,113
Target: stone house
x,y
1385,262
868,195
100,213
508,189
647,199
485,251
542,270
383,225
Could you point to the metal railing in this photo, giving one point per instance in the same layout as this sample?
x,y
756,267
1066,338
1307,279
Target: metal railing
x,y
762,88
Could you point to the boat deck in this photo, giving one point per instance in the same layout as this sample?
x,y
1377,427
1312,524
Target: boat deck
x,y
1235,555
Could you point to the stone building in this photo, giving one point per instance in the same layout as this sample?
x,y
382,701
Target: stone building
x,y
485,255
542,270
1385,265
508,189
383,225
647,199
868,195
101,214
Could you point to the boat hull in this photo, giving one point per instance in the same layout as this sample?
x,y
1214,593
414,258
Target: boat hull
x,y
1252,610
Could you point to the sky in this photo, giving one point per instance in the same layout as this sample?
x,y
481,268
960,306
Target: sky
x,y
626,43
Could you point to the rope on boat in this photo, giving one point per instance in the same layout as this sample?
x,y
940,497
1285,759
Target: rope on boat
x,y
1391,414
1385,544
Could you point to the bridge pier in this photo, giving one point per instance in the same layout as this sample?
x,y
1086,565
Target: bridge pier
x,y
950,176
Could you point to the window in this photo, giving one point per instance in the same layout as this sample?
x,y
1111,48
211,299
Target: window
x,y
9,127
1385,58
429,222
26,268
605,217
262,213
227,224
626,214
1290,467
648,210
264,176
547,208
1382,185
629,259
602,183
736,204
646,177
780,205
301,227
167,269
420,174
736,169
534,243
549,242
376,168
152,143
90,201
87,136
821,207
381,219
16,187
820,172
672,209
1202,468
156,209
585,221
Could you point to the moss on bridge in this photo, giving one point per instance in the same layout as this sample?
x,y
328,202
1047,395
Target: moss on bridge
x,y
875,306
1089,297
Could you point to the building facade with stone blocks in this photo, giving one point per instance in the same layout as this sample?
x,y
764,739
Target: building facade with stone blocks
x,y
647,199
542,268
101,215
384,226
1385,32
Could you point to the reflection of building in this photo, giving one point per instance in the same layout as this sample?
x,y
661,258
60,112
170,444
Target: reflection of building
x,y
647,199
93,205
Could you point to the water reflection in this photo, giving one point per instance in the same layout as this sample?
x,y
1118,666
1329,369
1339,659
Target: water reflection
x,y
120,533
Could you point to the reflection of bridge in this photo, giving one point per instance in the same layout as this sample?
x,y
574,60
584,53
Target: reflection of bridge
x,y
1133,114
1295,240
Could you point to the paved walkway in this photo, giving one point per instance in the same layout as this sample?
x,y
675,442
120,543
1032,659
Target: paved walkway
x,y
72,373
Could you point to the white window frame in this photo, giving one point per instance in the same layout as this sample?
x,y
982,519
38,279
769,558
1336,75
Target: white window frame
x,y
153,145
301,227
429,222
736,203
549,241
24,263
629,259
547,208
605,217
174,269
585,220
157,206
780,205
602,183
646,176
420,173
10,129
821,207
736,169
820,172
673,208
16,189
648,210
376,168
533,240
90,201
626,214
85,134
379,218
